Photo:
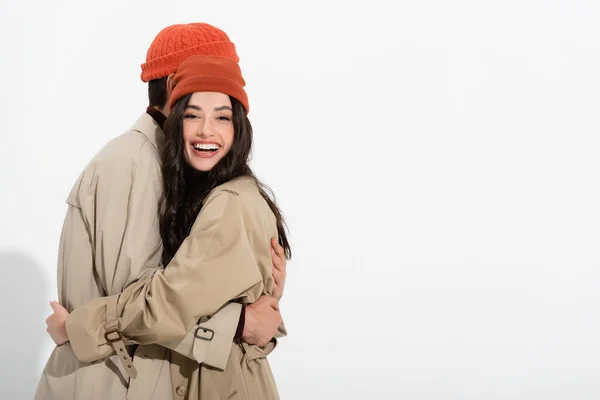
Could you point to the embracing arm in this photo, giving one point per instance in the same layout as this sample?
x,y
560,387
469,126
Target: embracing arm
x,y
214,265
112,227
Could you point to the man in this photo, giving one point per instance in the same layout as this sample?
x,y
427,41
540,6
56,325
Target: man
x,y
110,238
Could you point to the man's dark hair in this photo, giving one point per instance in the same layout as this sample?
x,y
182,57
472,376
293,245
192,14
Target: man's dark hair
x,y
157,92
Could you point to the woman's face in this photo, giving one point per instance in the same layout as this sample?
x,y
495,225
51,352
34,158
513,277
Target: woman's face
x,y
207,129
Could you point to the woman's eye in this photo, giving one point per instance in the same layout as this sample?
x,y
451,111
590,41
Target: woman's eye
x,y
190,116
223,118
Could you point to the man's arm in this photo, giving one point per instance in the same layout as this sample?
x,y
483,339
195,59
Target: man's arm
x,y
119,196
75,260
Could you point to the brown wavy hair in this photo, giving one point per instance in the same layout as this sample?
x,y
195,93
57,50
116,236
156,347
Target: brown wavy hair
x,y
186,188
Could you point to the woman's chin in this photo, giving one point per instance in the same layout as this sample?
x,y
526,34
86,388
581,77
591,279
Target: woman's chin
x,y
203,162
203,165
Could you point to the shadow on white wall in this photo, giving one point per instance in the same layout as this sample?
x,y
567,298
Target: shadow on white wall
x,y
23,294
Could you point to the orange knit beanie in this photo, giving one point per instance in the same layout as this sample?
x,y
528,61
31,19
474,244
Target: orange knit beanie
x,y
175,43
209,74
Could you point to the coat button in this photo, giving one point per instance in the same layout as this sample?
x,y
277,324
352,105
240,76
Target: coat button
x,y
180,390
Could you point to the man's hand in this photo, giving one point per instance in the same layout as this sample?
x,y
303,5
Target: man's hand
x,y
279,268
262,320
57,324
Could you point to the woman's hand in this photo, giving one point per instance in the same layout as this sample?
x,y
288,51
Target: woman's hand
x,y
279,268
57,323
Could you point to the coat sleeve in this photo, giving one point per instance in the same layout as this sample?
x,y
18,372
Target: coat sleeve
x,y
214,265
75,260
119,199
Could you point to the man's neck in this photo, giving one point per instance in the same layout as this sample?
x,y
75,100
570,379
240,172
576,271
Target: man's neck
x,y
158,116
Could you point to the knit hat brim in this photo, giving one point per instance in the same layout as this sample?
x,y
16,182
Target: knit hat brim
x,y
209,74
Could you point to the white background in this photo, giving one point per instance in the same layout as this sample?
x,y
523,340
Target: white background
x,y
437,163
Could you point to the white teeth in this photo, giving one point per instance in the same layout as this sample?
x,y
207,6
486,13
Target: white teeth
x,y
209,146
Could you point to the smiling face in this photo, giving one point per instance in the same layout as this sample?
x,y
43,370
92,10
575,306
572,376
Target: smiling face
x,y
207,129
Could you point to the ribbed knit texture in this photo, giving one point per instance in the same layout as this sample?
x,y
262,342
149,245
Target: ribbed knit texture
x,y
177,42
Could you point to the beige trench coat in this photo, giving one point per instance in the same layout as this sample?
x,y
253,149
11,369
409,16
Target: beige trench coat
x,y
226,257
110,237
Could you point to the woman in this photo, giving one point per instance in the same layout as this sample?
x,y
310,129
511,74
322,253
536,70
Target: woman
x,y
216,222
